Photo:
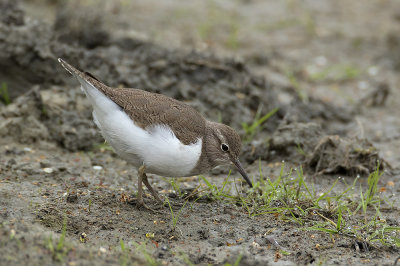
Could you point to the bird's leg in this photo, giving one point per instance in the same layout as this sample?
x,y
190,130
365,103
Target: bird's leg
x,y
152,191
140,201
141,178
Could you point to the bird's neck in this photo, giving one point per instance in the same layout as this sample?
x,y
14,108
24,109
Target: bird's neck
x,y
205,163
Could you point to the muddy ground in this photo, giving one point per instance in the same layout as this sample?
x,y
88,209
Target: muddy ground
x,y
330,67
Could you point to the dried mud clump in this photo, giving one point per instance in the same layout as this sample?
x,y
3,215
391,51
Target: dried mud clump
x,y
315,110
22,119
306,142
28,119
295,140
26,56
255,150
10,13
335,155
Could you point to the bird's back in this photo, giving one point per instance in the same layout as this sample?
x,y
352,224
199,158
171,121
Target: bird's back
x,y
146,108
144,127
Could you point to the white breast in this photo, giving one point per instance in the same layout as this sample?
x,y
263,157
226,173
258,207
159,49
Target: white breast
x,y
156,147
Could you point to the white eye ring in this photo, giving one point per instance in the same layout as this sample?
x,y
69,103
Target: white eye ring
x,y
224,147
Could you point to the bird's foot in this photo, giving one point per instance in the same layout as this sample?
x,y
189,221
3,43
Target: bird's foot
x,y
140,205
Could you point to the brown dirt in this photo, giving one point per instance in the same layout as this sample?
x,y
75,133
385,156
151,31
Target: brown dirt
x,y
53,166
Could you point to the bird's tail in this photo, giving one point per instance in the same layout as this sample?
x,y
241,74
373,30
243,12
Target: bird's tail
x,y
85,78
72,70
94,89
77,73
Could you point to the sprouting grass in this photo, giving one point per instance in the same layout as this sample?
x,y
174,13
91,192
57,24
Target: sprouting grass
x,y
205,29
334,211
60,245
367,198
309,24
175,186
141,248
102,147
124,251
232,41
4,96
237,261
300,150
278,25
219,24
90,204
250,130
337,73
215,192
185,258
59,251
174,216
296,85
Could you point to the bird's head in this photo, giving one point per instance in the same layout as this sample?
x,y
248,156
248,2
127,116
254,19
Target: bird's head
x,y
224,146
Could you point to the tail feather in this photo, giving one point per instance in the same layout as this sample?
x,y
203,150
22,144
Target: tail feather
x,y
85,76
72,70
96,91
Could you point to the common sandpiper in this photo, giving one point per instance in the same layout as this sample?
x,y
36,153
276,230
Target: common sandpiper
x,y
158,134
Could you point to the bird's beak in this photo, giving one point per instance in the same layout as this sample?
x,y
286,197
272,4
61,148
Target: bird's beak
x,y
241,171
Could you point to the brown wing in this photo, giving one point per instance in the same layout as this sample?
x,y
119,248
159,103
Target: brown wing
x,y
147,109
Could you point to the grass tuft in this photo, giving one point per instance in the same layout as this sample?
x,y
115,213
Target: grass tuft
x,y
237,261
59,251
174,182
141,248
251,130
4,95
124,251
337,73
174,217
336,212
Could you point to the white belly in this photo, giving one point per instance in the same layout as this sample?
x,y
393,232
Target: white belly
x,y
156,147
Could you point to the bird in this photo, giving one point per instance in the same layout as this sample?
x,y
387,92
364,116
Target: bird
x,y
158,134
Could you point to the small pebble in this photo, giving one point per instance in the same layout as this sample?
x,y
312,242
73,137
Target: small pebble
x,y
97,167
48,170
372,71
321,60
363,85
11,162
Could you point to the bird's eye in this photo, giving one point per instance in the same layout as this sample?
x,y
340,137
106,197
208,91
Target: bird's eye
x,y
224,147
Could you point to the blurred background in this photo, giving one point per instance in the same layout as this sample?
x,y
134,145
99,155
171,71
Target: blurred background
x,y
340,52
322,41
